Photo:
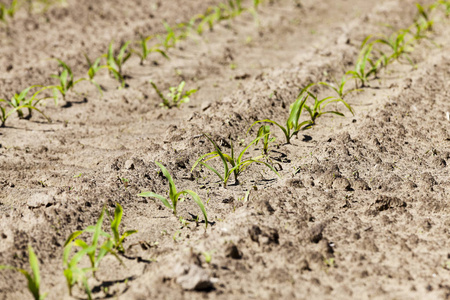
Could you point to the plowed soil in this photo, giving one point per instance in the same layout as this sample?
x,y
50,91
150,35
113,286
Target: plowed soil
x,y
362,208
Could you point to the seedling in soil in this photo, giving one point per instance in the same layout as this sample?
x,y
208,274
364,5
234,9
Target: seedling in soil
x,y
114,63
424,14
95,251
292,123
208,256
362,70
237,164
175,96
446,5
256,4
21,99
146,51
66,81
318,108
6,114
174,196
263,133
398,43
34,279
171,39
339,88
94,67
115,223
9,11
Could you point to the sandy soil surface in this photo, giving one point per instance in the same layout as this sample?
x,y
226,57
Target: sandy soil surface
x,y
362,208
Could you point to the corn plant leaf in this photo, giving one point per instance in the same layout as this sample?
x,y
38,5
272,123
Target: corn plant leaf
x,y
72,236
199,202
214,170
163,200
296,111
34,264
172,187
285,130
118,212
220,153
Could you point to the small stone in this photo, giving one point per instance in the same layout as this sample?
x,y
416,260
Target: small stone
x,y
129,165
233,252
40,199
295,183
342,183
193,278
228,200
385,202
360,184
315,233
304,265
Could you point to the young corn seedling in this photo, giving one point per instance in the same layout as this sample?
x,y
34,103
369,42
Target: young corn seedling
x,y
115,223
31,102
264,134
96,251
8,11
114,63
199,18
318,108
94,67
235,8
66,81
174,196
146,51
170,39
425,19
73,272
339,88
362,70
399,43
446,5
232,165
256,4
5,114
293,125
175,97
34,279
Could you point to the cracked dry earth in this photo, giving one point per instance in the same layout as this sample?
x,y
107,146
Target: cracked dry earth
x,y
362,208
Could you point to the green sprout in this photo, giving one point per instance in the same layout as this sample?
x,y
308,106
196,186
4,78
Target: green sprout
x,y
9,11
146,51
362,69
96,251
293,125
446,5
17,106
231,163
94,67
176,97
317,109
339,88
256,4
114,63
171,39
34,279
174,196
73,272
115,223
424,14
263,133
398,43
66,81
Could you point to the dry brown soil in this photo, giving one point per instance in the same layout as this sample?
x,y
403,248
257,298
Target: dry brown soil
x,y
362,210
